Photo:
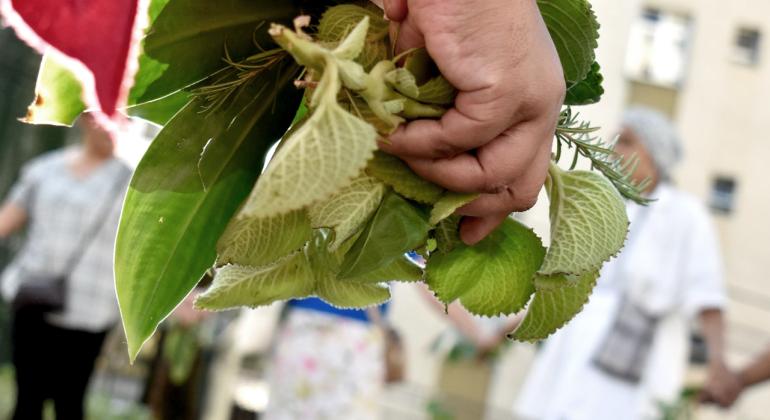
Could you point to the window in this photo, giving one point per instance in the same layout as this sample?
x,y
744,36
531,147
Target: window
x,y
723,194
746,47
658,48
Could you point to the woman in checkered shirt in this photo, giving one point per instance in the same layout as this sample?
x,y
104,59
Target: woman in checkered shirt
x,y
61,197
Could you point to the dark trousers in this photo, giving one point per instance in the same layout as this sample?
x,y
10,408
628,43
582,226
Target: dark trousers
x,y
51,362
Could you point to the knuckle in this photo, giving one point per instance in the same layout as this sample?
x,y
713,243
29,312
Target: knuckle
x,y
443,149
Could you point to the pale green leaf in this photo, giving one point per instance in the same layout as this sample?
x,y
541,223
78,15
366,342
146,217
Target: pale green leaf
x,y
574,30
394,172
351,294
319,159
557,300
404,82
348,210
352,45
448,204
258,241
588,222
397,227
235,286
400,270
337,22
332,289
494,277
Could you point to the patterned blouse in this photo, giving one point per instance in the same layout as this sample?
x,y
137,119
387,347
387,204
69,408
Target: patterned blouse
x,y
61,208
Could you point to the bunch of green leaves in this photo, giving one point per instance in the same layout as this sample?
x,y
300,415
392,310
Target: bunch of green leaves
x,y
331,216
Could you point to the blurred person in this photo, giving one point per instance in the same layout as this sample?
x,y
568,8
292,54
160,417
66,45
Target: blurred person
x,y
61,282
755,373
327,363
625,355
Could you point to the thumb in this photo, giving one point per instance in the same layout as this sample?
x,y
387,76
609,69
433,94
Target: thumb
x,y
396,10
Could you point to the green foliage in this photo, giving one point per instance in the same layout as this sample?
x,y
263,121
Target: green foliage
x,y
396,174
331,216
493,277
258,241
171,221
587,91
348,209
397,227
575,31
588,222
189,37
448,204
578,135
557,300
319,159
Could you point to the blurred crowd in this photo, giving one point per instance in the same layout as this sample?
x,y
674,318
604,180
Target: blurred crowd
x,y
627,352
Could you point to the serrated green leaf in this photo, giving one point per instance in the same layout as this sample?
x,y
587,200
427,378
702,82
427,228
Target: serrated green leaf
x,y
352,45
319,159
588,91
348,210
493,277
171,222
396,228
255,241
588,222
58,95
575,31
351,294
333,290
448,204
400,270
394,172
403,81
235,285
337,21
557,300
447,234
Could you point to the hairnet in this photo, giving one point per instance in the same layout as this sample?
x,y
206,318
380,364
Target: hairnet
x,y
658,135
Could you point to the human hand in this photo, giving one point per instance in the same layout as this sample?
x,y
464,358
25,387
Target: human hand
x,y
723,387
497,139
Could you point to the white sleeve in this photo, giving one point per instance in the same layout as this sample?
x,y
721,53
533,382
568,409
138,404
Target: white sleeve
x,y
703,280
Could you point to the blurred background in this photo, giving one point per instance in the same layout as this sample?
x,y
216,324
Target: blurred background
x,y
703,63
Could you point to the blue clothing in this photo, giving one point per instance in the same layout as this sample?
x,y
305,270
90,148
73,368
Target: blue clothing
x,y
316,304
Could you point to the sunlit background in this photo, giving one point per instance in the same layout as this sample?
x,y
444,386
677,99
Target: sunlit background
x,y
703,63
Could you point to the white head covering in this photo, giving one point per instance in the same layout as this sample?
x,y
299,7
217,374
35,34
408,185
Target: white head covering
x,y
658,135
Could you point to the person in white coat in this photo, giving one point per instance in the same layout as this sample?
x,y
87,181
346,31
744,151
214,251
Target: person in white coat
x,y
625,354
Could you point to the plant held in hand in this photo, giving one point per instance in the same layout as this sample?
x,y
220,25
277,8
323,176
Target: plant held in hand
x,y
331,215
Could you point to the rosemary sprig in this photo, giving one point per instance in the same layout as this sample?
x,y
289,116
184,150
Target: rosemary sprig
x,y
223,84
580,136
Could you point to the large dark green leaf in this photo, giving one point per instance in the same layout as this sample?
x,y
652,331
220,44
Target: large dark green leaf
x,y
189,37
575,30
588,91
396,227
171,220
